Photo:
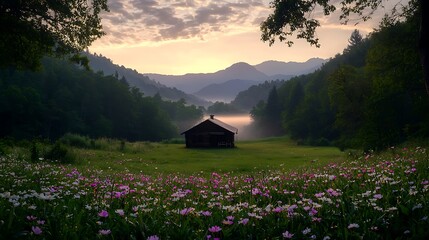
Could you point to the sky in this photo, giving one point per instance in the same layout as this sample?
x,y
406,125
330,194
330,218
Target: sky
x,y
176,37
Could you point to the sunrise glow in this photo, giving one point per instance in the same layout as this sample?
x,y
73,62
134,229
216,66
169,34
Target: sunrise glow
x,y
201,36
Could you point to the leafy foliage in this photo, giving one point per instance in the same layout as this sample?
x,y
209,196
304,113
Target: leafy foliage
x,y
289,17
222,108
32,29
60,154
370,96
66,99
295,16
249,98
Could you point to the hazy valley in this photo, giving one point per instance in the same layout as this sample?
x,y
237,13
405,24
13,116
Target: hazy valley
x,y
203,88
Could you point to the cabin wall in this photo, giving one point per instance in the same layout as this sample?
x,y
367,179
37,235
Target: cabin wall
x,y
210,139
208,135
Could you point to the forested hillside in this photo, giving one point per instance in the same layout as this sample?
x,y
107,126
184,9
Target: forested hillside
x,y
247,99
370,96
63,98
146,85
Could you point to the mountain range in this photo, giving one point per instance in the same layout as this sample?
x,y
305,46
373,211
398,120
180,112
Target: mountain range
x,y
273,68
224,92
202,88
225,84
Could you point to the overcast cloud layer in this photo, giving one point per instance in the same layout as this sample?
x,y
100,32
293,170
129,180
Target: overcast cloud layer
x,y
139,21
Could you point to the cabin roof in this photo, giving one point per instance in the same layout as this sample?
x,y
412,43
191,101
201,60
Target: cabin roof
x,y
217,122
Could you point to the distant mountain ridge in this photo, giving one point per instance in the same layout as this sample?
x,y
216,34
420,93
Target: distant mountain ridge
x,y
193,82
290,68
269,70
201,88
224,92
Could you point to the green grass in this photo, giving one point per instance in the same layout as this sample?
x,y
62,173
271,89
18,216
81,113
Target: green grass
x,y
372,196
155,158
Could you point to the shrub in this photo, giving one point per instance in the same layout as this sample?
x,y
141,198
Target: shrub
x,y
76,140
34,153
122,146
105,144
3,149
60,153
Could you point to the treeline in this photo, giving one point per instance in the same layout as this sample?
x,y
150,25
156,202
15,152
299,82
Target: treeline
x,y
63,98
223,108
371,96
247,99
149,87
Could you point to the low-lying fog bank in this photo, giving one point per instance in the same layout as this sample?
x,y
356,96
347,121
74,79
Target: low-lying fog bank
x,y
240,121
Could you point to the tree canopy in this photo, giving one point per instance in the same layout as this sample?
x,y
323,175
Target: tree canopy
x,y
63,98
33,29
295,17
369,97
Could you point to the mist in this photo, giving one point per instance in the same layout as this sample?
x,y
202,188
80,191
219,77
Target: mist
x,y
243,122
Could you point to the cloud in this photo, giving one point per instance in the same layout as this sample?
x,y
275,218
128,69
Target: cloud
x,y
143,22
134,22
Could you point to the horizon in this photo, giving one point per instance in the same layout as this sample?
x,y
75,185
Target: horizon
x,y
205,36
253,65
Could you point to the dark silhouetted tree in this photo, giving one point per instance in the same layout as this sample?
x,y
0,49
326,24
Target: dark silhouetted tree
x,y
295,17
354,40
32,29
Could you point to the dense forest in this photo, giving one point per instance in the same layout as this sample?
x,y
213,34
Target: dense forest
x,y
149,87
246,100
371,96
64,98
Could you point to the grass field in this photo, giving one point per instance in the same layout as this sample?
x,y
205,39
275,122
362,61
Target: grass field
x,y
155,158
270,189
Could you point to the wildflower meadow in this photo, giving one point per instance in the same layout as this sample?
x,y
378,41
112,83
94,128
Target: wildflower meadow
x,y
372,196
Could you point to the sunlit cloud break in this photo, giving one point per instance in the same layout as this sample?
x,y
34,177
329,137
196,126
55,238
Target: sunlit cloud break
x,y
133,22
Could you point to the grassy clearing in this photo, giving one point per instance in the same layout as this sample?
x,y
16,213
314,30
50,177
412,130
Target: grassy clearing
x,y
156,158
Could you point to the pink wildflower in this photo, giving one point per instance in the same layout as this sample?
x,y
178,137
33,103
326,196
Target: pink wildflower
x,y
120,212
186,211
206,213
105,232
227,222
353,225
154,237
256,191
312,212
36,230
103,214
215,229
378,196
243,221
277,209
287,234
319,195
31,218
332,192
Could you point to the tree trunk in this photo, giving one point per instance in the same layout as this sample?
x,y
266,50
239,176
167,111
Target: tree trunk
x,y
424,41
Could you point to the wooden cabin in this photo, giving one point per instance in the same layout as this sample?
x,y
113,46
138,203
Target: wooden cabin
x,y
210,133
